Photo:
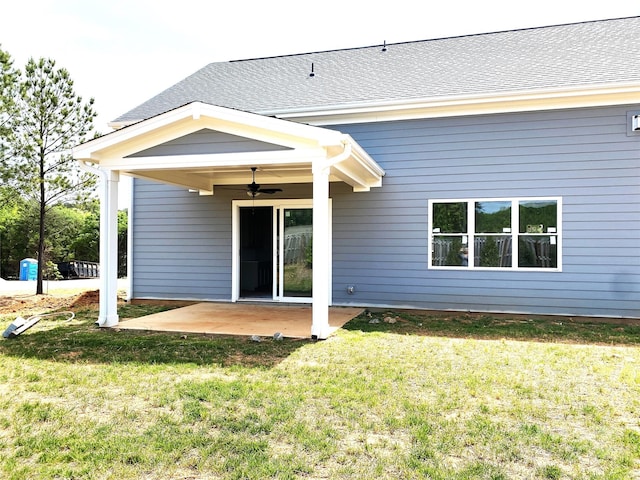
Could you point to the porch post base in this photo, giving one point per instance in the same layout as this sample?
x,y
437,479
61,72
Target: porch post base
x,y
108,321
320,332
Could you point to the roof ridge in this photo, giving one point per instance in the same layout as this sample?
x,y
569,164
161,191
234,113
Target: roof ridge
x,y
386,44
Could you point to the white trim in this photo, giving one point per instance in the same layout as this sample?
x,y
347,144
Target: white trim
x,y
130,232
213,160
184,120
463,105
321,251
515,233
108,311
455,105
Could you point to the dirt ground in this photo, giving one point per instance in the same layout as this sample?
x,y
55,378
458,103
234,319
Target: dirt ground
x,y
19,298
26,305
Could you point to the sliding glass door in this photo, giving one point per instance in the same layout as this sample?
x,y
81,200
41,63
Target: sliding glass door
x,y
273,243
295,253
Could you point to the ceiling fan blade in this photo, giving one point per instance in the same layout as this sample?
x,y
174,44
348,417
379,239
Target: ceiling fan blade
x,y
253,188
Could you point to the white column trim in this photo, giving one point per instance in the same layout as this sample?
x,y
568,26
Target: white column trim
x,y
108,316
130,253
321,252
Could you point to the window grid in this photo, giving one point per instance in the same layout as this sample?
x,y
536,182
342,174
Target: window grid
x,y
470,237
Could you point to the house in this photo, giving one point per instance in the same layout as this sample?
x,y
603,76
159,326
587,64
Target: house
x,y
496,172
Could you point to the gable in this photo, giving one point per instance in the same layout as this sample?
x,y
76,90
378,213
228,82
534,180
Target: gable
x,y
208,141
197,146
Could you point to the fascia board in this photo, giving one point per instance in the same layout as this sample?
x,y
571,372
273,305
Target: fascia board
x,y
361,155
451,105
92,149
195,116
462,105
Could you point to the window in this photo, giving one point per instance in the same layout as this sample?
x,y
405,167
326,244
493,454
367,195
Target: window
x,y
495,233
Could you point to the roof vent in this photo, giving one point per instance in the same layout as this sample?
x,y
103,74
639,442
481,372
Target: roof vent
x,y
312,74
384,46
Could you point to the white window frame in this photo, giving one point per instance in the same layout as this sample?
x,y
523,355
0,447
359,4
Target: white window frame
x,y
515,233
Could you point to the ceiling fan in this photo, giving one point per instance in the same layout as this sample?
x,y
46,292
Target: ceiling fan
x,y
253,189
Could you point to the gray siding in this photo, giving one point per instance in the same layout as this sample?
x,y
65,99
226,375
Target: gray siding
x,y
207,141
182,242
584,156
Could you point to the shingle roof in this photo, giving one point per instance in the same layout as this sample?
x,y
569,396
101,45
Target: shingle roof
x,y
573,55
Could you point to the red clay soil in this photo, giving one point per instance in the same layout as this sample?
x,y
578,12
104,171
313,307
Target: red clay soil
x,y
27,305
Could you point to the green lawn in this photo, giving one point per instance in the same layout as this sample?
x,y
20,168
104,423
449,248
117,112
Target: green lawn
x,y
428,396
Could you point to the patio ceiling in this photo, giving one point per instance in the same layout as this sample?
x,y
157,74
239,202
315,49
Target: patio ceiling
x,y
283,151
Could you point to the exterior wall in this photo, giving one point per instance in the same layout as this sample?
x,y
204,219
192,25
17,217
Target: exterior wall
x,y
182,242
584,156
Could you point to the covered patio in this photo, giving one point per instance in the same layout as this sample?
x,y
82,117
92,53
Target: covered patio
x,y
292,321
200,147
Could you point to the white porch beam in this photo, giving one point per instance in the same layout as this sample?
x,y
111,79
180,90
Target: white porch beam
x,y
177,178
321,252
213,160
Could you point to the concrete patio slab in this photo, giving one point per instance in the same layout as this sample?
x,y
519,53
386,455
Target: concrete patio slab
x,y
292,321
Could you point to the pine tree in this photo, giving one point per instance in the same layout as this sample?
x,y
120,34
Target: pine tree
x,y
50,119
8,95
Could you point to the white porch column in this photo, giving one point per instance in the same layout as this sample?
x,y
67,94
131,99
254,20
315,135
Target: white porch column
x,y
108,315
321,249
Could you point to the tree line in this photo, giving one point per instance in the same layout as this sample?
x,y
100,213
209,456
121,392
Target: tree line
x,y
48,209
73,233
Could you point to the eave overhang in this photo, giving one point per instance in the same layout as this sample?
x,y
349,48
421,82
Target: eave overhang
x,y
581,96
509,101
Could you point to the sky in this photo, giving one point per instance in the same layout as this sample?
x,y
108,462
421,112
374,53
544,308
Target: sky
x,y
123,52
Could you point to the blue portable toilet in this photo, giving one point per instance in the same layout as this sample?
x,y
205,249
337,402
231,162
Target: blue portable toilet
x,y
29,269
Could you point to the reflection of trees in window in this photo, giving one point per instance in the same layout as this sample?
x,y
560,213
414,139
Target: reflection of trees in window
x,y
450,217
537,251
536,248
450,221
493,217
538,212
295,217
454,257
489,255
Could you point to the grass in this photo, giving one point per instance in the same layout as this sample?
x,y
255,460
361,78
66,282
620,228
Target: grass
x,y
298,279
429,396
